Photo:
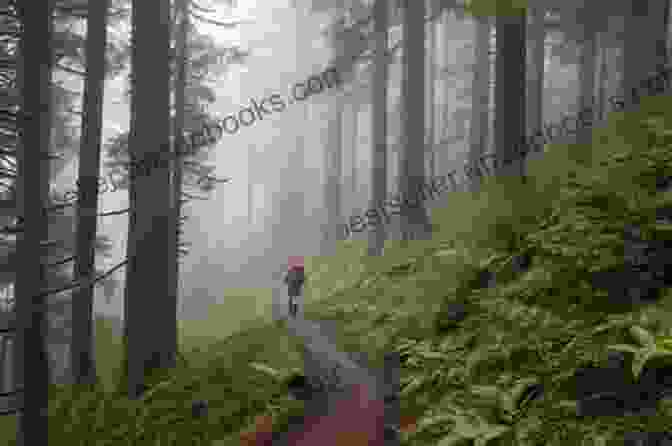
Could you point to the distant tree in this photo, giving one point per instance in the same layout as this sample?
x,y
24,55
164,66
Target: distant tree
x,y
83,362
333,173
333,165
480,102
414,219
510,68
587,70
644,43
181,28
379,126
536,41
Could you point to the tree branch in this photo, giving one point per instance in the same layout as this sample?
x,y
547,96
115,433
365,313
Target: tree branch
x,y
231,24
70,70
60,262
119,212
201,8
86,284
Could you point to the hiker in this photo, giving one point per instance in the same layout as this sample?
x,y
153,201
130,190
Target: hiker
x,y
294,279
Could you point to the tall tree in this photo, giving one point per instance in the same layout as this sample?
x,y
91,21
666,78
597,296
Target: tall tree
x,y
34,126
480,102
83,365
333,172
333,165
149,198
379,124
536,67
353,143
645,42
587,71
415,222
510,67
430,87
602,77
180,85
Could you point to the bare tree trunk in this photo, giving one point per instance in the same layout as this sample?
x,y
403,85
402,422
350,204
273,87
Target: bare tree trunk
x,y
510,70
587,70
415,222
180,82
430,87
480,103
644,44
34,127
602,79
354,171
332,187
535,82
149,350
82,359
379,126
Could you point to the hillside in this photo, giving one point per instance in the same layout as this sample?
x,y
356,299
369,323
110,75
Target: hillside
x,y
541,313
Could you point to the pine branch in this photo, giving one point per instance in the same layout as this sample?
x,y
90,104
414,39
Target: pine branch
x,y
201,8
61,262
192,197
119,212
231,24
70,70
86,284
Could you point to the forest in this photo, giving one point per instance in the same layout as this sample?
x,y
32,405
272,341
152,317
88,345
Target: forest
x,y
480,190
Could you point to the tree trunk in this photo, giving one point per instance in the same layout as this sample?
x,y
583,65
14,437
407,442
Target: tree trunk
x,y
82,358
180,83
34,127
536,69
587,70
644,44
602,79
430,87
415,223
250,191
379,126
149,350
354,172
332,187
510,70
480,103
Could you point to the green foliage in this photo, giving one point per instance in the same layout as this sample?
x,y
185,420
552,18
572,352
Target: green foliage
x,y
480,382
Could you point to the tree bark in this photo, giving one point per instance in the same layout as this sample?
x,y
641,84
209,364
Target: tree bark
x,y
535,82
82,358
510,70
34,126
332,187
354,138
430,87
415,222
602,77
480,103
644,45
181,37
587,70
150,193
379,126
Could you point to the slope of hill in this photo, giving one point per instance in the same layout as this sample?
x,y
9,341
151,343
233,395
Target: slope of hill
x,y
540,313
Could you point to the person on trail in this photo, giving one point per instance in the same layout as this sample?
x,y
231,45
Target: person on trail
x,y
295,278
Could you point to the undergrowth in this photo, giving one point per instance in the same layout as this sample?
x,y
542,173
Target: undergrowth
x,y
474,383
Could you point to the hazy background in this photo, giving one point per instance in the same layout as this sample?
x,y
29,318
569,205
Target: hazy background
x,y
231,249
